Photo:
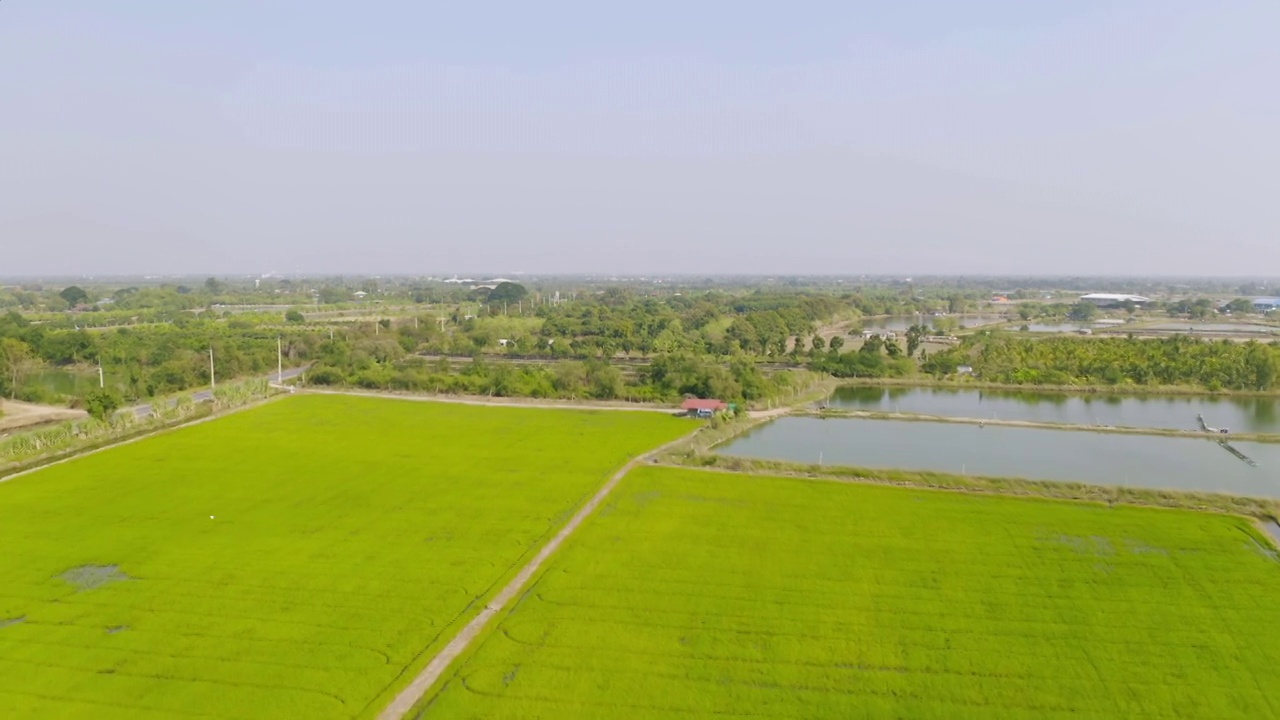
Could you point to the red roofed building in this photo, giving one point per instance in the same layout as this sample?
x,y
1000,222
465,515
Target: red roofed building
x,y
703,408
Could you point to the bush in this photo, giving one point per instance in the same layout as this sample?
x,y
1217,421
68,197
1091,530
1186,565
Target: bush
x,y
102,403
325,376
293,316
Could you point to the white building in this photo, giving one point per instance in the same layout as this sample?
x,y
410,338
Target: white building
x,y
1107,299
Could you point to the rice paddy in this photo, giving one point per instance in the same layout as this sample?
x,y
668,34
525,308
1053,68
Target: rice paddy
x,y
696,593
299,560
306,558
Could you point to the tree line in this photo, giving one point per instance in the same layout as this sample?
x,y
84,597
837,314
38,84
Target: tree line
x,y
1179,360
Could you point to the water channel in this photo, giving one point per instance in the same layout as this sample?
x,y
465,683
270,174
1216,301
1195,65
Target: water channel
x,y
1043,327
1038,454
1224,328
1238,413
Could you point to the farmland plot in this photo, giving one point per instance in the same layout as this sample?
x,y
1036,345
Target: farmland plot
x,y
299,560
697,594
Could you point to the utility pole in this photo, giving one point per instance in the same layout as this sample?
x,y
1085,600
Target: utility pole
x,y
102,383
279,363
213,384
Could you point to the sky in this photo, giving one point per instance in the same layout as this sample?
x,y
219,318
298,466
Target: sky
x,y
849,137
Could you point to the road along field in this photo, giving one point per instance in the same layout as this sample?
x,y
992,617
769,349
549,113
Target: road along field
x,y
300,560
694,593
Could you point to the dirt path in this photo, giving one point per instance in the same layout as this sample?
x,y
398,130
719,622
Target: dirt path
x,y
1069,427
500,402
20,414
410,696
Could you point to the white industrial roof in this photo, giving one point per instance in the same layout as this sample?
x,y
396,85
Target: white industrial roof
x,y
1112,297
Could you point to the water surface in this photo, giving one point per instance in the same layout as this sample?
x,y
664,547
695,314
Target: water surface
x,y
1175,412
1040,327
1038,454
64,382
900,324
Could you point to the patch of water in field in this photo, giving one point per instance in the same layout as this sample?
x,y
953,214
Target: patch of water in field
x,y
1033,453
1238,413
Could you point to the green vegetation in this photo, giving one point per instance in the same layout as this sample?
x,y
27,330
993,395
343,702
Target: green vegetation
x,y
1178,360
694,593
300,560
740,340
664,378
35,447
139,362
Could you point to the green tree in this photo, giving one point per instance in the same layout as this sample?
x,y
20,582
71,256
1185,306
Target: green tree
x,y
605,380
508,292
1083,312
569,377
945,325
915,334
293,316
74,295
1239,306
17,360
333,295
102,403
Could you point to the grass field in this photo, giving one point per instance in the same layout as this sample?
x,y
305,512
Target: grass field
x,y
348,537
697,593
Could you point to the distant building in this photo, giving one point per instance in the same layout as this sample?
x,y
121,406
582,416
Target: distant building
x,y
1112,299
882,334
965,369
360,293
699,407
1265,305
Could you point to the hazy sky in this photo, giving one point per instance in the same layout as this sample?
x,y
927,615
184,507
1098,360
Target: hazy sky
x,y
848,137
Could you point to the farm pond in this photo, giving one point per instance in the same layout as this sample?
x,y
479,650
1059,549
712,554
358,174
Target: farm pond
x,y
1195,464
1239,413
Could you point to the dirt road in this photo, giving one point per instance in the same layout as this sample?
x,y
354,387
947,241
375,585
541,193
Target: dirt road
x,y
503,402
410,696
20,414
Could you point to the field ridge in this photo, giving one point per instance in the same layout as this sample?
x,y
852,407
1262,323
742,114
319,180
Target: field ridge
x,y
411,695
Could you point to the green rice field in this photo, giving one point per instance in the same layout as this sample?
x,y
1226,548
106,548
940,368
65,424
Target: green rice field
x,y
299,560
699,594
